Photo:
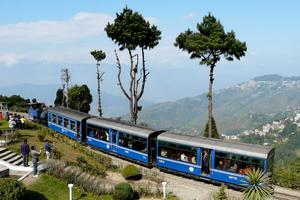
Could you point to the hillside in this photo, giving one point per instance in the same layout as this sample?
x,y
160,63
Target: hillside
x,y
237,108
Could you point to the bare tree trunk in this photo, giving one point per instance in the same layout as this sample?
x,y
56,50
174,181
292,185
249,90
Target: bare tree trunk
x,y
135,92
211,80
99,76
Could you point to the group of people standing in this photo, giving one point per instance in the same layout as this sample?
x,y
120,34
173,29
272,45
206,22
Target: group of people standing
x,y
25,150
15,121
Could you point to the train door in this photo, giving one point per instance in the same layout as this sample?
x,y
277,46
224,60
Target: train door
x,y
205,161
152,149
113,139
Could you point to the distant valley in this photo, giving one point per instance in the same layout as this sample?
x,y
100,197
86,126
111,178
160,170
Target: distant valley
x,y
244,106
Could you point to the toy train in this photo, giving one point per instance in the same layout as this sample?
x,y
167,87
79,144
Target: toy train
x,y
210,159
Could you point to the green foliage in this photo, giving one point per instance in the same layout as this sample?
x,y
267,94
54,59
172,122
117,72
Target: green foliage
x,y
11,189
131,172
42,134
80,98
95,169
13,136
214,129
211,42
221,195
98,55
288,175
60,99
123,191
130,30
15,103
258,185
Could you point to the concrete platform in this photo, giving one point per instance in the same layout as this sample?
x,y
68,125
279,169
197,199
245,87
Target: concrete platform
x,y
4,171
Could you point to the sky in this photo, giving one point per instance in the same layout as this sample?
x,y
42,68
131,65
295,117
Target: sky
x,y
39,38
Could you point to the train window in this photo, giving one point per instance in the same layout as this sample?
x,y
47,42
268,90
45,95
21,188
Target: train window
x,y
98,133
54,118
133,142
236,163
177,152
73,127
66,123
59,122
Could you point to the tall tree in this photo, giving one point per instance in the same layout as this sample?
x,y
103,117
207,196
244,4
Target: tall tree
x,y
98,56
131,31
80,98
209,44
60,100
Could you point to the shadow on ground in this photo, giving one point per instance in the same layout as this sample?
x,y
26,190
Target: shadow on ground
x,y
30,195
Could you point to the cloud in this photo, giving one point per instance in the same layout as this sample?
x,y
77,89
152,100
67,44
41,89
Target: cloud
x,y
8,59
188,16
80,26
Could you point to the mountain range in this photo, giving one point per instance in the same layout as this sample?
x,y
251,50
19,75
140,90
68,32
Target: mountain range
x,y
237,108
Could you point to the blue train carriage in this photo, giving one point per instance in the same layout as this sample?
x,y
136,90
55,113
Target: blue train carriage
x,y
212,159
68,122
130,142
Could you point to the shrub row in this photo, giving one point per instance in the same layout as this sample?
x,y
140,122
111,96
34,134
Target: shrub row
x,y
75,175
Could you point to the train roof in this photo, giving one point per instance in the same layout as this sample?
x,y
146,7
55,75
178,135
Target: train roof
x,y
122,127
77,115
216,144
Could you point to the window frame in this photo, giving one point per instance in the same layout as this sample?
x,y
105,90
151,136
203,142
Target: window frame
x,y
176,149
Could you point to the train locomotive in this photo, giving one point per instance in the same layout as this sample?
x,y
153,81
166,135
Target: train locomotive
x,y
206,158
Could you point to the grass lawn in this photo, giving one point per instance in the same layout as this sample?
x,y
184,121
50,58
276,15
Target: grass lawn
x,y
3,124
48,187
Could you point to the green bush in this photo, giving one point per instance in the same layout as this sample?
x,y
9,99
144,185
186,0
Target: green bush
x,y
123,191
11,189
131,172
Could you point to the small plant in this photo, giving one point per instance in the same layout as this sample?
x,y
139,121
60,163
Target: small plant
x,y
171,196
124,191
131,172
221,195
56,154
258,185
42,134
11,189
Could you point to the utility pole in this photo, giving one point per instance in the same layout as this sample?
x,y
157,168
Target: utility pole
x,y
66,79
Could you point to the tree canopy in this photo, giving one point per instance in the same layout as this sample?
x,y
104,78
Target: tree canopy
x,y
210,42
98,55
80,98
130,30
